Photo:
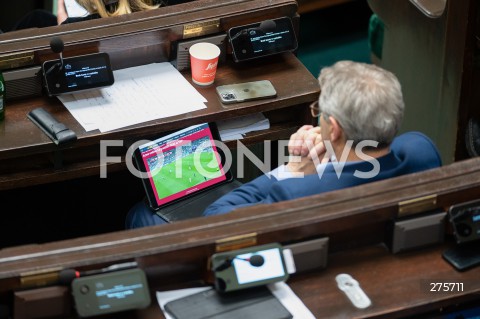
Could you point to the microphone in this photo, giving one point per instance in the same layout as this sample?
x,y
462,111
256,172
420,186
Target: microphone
x,y
265,27
255,261
66,276
56,44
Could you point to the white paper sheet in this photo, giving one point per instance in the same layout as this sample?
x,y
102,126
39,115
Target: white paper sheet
x,y
139,94
236,128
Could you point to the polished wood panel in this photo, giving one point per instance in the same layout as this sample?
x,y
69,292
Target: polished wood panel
x,y
355,220
190,242
397,285
176,255
28,156
170,20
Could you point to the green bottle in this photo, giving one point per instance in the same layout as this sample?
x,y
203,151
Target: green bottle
x,y
2,97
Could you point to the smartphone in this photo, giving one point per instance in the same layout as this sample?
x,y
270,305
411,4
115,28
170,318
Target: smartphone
x,y
110,292
263,38
249,267
77,73
241,92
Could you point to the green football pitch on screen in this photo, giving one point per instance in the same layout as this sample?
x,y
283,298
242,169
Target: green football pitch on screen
x,y
168,184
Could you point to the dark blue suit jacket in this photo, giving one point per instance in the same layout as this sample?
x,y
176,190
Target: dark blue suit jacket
x,y
409,153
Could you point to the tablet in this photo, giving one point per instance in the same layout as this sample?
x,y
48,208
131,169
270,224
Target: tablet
x,y
181,164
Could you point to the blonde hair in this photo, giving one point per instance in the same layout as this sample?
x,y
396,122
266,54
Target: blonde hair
x,y
118,8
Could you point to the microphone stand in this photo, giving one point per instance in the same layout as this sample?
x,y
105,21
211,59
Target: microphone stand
x,y
56,44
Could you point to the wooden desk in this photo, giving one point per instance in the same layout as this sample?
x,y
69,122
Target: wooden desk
x,y
398,285
354,219
27,155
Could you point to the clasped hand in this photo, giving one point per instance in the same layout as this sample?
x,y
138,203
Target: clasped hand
x,y
306,149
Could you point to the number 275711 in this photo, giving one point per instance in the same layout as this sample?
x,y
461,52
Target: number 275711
x,y
446,286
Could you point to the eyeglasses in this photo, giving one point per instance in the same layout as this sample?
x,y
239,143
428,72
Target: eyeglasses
x,y
315,109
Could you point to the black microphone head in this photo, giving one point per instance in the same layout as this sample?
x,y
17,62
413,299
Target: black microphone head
x,y
66,276
56,44
267,25
257,260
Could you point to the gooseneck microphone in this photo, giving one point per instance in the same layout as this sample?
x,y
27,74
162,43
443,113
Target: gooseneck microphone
x,y
56,44
255,261
66,276
265,27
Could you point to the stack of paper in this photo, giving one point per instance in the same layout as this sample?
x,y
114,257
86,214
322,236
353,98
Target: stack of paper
x,y
140,94
236,128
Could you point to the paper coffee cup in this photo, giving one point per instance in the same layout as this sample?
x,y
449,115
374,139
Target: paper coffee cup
x,y
203,62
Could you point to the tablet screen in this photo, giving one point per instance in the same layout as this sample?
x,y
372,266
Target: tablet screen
x,y
181,164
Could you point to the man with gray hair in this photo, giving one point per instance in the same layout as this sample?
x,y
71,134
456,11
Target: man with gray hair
x,y
359,111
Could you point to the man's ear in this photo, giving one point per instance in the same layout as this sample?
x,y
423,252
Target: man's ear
x,y
336,131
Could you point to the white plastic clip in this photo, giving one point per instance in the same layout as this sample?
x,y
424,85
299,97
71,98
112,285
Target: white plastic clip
x,y
353,291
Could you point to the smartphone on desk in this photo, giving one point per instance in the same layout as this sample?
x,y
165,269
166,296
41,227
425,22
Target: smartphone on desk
x,y
241,92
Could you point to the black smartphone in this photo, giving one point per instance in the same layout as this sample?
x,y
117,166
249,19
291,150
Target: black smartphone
x,y
249,267
77,73
110,292
262,39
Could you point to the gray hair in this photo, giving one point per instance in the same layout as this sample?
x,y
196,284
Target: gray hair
x,y
366,100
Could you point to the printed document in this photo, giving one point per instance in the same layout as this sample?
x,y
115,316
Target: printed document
x,y
236,128
139,94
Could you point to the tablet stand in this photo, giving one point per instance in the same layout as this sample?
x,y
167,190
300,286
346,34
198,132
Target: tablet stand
x,y
194,206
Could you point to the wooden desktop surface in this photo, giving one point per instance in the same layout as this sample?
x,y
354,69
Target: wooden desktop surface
x,y
26,153
398,285
354,219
